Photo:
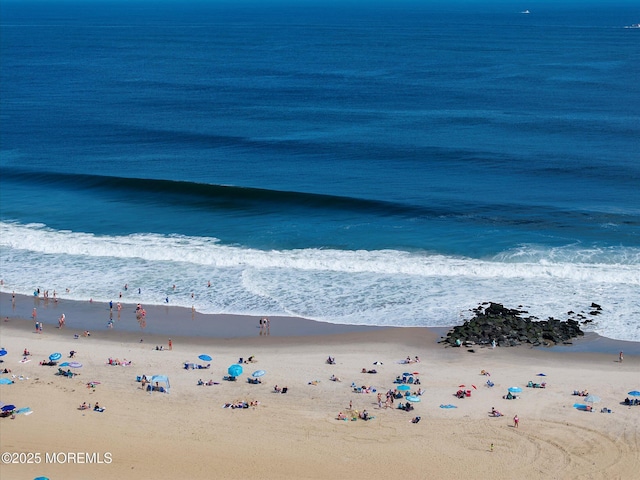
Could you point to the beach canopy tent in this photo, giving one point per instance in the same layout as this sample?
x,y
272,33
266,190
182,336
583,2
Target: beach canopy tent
x,y
162,380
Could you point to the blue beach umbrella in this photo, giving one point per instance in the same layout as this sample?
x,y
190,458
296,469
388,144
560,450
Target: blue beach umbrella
x,y
204,357
258,373
8,408
235,370
5,381
515,389
55,356
634,393
64,364
403,388
413,398
3,352
41,478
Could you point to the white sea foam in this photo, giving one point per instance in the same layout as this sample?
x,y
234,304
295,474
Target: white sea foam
x,y
385,287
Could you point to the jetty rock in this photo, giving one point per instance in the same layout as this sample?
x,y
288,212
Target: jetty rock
x,y
509,328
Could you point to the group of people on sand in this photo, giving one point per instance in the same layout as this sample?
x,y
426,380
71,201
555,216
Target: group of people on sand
x,y
115,361
208,384
407,379
415,359
87,406
532,384
581,393
240,404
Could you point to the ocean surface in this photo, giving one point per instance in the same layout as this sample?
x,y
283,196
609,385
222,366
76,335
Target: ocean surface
x,y
367,163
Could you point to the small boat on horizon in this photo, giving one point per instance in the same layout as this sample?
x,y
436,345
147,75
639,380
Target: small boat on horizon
x,y
526,12
635,25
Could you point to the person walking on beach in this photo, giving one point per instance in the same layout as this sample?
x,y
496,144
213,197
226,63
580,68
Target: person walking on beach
x,y
620,357
170,344
516,420
34,314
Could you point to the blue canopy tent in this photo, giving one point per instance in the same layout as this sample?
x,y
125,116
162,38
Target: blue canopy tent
x,y
159,383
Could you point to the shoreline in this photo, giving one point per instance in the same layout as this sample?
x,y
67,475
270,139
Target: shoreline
x,y
182,324
165,320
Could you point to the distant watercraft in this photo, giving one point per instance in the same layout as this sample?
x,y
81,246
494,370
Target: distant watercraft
x,y
635,25
526,11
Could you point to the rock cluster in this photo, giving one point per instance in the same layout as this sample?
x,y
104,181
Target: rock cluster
x,y
508,328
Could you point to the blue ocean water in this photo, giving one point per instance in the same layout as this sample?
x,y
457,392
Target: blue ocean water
x,y
375,163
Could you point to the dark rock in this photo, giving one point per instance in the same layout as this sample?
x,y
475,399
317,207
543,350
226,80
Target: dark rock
x,y
492,321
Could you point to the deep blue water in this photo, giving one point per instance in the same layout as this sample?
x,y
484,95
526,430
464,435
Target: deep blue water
x,y
376,163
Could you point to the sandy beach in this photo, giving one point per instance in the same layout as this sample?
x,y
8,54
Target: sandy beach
x,y
188,433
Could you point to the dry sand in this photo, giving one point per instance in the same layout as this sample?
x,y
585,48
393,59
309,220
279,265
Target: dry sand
x,y
187,434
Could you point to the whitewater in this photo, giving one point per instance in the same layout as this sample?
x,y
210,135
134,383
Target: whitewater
x,y
383,287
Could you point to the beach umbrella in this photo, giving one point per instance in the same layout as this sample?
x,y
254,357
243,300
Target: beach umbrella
x,y
634,393
258,373
235,370
55,356
592,399
64,364
515,389
413,398
5,381
204,357
404,387
8,408
41,478
3,352
75,364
